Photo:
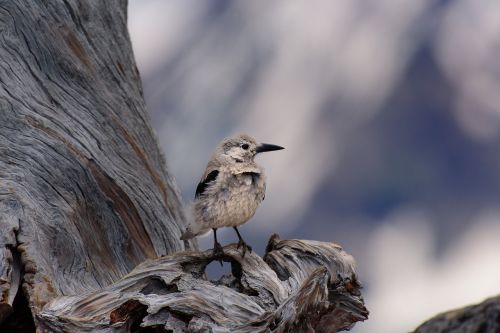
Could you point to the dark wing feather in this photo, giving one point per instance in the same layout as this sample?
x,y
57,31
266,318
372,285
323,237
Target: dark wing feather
x,y
200,189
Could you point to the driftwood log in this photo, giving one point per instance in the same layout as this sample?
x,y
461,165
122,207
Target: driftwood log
x,y
85,197
481,318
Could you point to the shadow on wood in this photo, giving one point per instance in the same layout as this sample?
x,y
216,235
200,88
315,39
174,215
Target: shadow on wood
x,y
299,286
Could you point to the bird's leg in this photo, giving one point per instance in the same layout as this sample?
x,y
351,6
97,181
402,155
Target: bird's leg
x,y
217,252
242,243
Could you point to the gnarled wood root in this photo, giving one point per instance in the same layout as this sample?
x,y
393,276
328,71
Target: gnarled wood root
x,y
299,286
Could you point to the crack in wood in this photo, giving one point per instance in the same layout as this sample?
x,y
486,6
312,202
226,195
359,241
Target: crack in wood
x,y
15,313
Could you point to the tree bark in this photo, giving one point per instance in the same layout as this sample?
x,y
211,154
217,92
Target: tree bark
x,y
85,197
84,192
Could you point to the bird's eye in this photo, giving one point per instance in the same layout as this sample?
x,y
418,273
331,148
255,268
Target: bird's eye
x,y
245,146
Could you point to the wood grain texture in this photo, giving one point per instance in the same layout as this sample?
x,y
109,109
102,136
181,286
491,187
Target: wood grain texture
x,y
85,195
261,295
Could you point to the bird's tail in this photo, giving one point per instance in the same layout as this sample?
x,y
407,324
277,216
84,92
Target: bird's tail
x,y
188,234
192,226
193,230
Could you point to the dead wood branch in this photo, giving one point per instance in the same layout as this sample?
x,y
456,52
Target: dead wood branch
x,y
299,286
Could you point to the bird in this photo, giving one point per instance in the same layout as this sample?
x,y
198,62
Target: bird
x,y
230,190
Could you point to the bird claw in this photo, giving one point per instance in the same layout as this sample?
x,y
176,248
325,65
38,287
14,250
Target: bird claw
x,y
245,247
218,252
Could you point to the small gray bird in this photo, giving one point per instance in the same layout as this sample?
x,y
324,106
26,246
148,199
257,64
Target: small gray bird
x,y
230,190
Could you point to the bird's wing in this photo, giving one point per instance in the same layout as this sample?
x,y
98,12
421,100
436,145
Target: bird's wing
x,y
200,189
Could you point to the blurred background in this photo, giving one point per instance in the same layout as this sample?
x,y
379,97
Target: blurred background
x,y
390,115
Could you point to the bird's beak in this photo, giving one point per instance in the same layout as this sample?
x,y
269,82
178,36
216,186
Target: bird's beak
x,y
267,147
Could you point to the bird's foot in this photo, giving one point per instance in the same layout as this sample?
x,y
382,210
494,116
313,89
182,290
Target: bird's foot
x,y
245,247
218,252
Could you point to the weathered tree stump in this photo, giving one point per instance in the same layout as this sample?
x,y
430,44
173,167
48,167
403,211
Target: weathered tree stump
x,y
85,197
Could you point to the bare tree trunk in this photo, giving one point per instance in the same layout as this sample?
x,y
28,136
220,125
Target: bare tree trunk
x,y
85,197
84,192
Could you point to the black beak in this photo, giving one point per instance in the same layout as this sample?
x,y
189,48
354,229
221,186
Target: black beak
x,y
267,147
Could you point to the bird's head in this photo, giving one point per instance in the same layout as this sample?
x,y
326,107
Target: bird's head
x,y
243,148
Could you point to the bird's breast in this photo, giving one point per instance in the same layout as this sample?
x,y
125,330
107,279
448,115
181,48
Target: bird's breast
x,y
233,200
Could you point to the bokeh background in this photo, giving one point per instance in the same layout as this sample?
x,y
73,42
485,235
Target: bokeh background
x,y
390,114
